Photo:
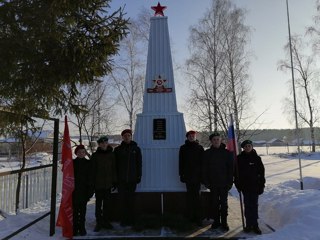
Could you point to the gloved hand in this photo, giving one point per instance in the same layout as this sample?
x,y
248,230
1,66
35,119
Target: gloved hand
x,y
182,179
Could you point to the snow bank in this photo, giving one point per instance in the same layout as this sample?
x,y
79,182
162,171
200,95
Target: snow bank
x,y
294,213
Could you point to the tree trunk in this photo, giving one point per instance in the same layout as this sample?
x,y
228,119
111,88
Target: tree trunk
x,y
18,189
313,141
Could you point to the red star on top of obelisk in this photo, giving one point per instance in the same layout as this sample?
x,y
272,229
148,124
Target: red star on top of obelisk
x,y
158,10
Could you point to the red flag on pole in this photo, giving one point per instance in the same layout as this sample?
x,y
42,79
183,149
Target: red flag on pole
x,y
65,216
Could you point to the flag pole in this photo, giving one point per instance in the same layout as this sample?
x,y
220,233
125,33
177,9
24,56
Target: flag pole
x,y
233,146
241,209
294,99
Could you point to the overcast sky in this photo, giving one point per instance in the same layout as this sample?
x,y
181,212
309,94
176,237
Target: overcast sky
x,y
268,20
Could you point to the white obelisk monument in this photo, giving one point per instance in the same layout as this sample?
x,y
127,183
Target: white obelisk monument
x,y
160,128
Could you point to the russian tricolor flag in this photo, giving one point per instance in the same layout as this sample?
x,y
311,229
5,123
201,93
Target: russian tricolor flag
x,y
232,145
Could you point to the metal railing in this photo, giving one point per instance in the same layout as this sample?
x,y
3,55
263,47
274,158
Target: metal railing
x,y
34,180
35,187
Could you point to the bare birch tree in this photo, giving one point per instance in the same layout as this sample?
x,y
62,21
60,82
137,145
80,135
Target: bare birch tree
x,y
128,73
307,85
204,67
315,29
93,111
237,88
218,67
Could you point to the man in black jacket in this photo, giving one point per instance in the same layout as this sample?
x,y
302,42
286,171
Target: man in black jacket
x,y
83,190
250,180
190,158
218,177
104,178
129,172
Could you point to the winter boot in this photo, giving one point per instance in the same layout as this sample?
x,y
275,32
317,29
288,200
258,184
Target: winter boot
x,y
97,228
198,222
107,225
75,232
76,229
82,229
256,230
215,224
224,224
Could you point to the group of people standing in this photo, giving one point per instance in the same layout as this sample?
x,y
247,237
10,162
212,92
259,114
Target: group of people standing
x,y
217,170
108,169
121,168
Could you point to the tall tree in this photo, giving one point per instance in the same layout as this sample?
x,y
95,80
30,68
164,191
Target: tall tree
x,y
48,47
128,73
218,67
307,84
93,111
315,29
236,80
208,43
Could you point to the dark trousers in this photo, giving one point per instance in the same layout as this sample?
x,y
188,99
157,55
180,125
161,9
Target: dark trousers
x,y
79,213
103,197
219,198
251,208
193,201
127,202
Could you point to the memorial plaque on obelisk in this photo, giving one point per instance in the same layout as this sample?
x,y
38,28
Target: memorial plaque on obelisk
x,y
159,129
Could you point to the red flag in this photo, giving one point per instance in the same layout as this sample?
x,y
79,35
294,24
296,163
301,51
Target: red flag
x,y
232,145
65,216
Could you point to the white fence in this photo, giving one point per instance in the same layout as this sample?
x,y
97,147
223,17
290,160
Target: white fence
x,y
35,187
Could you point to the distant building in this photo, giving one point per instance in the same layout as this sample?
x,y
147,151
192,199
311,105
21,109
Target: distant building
x,y
294,142
259,143
276,142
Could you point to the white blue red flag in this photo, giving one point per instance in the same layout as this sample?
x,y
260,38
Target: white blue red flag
x,y
232,145
65,216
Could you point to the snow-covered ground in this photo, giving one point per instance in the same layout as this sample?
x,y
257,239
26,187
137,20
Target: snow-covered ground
x,y
32,160
293,213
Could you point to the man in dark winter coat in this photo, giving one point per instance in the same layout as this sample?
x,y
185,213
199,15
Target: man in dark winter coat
x,y
83,190
190,166
218,177
104,178
129,172
250,180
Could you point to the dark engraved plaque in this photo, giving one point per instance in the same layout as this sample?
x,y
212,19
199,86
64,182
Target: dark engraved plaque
x,y
159,129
